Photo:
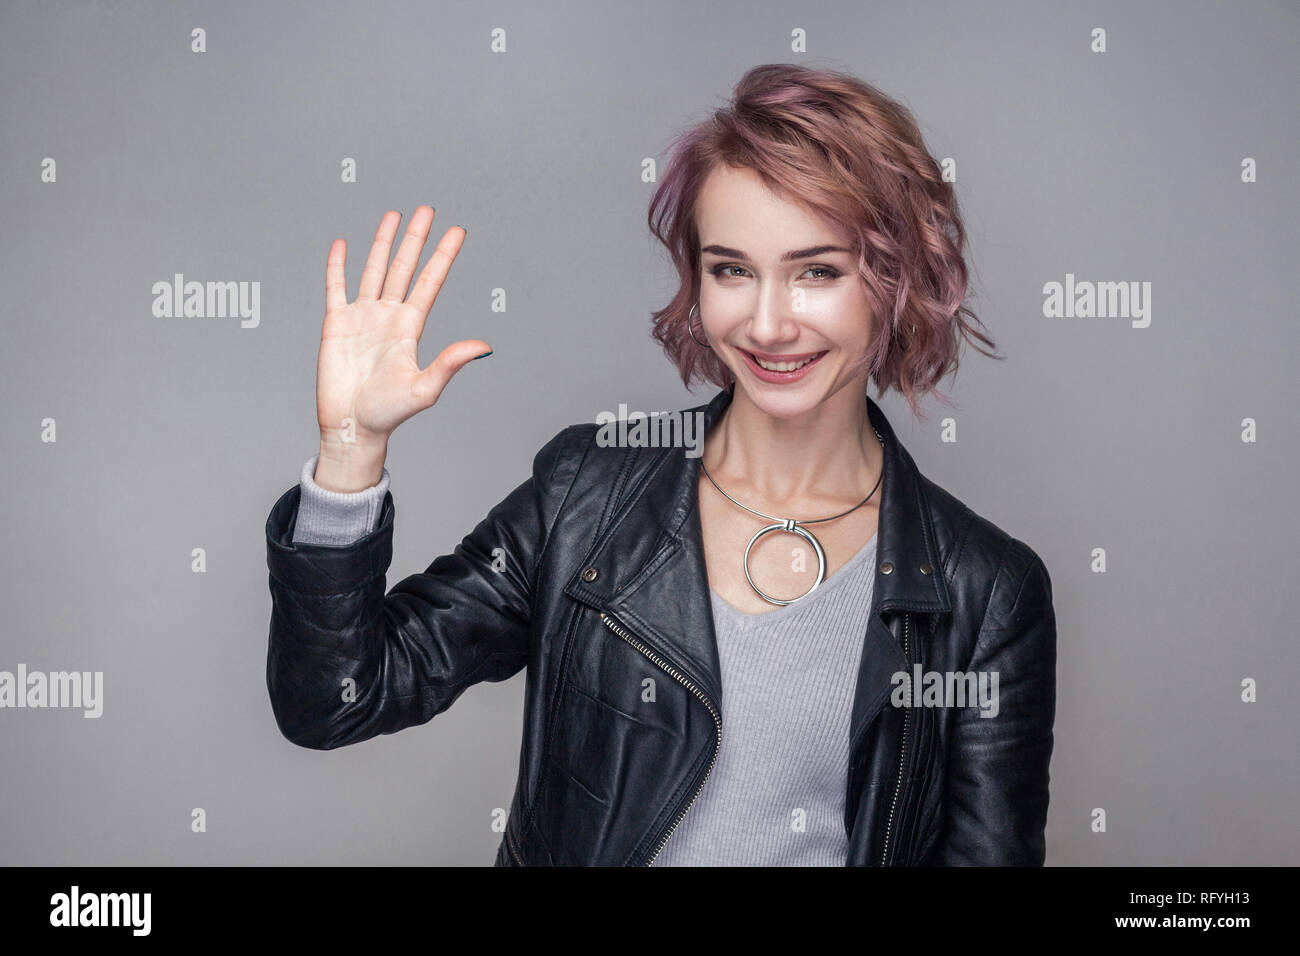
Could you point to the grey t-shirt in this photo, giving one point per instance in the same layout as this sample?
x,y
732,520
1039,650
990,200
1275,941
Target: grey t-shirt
x,y
775,796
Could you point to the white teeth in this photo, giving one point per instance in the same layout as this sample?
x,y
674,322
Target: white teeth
x,y
782,366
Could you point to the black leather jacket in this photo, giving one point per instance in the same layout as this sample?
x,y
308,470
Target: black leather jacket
x,y
591,575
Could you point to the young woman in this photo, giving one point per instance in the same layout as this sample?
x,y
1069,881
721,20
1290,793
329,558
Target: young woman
x,y
793,649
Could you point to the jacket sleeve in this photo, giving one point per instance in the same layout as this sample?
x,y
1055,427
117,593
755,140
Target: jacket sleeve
x,y
347,662
997,780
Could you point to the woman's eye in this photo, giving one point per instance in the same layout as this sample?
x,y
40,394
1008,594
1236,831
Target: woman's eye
x,y
719,270
828,274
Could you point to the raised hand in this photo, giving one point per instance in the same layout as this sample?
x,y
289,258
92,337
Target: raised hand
x,y
368,379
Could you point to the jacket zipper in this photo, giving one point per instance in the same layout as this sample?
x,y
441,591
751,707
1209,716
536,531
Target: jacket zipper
x,y
902,750
510,844
717,720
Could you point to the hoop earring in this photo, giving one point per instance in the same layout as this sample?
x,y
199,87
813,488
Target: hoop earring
x,y
695,310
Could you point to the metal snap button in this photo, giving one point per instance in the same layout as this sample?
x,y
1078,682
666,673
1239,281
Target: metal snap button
x,y
926,569
590,574
887,568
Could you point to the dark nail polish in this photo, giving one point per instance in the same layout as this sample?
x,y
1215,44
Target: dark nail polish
x,y
477,357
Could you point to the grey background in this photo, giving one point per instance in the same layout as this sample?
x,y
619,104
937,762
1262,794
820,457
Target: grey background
x,y
181,433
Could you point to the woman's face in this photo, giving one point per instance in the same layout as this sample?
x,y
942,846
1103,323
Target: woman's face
x,y
755,303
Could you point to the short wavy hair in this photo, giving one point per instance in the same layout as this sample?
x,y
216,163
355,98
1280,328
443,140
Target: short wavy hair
x,y
842,148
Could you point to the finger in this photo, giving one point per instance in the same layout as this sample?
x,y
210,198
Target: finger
x,y
434,274
372,276
336,289
408,255
429,383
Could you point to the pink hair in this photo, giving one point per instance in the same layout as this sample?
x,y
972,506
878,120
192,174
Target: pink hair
x,y
845,150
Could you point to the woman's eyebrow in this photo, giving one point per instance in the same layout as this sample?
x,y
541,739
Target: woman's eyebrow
x,y
791,256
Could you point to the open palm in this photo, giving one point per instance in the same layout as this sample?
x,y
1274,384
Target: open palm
x,y
368,378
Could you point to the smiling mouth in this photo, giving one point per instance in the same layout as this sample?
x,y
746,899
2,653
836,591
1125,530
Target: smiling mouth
x,y
783,366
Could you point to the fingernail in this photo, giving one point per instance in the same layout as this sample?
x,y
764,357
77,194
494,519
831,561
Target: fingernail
x,y
459,226
477,357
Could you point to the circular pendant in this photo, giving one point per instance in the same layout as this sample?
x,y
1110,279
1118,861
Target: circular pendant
x,y
792,526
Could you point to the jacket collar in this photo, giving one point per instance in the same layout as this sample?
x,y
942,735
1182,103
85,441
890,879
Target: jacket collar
x,y
649,557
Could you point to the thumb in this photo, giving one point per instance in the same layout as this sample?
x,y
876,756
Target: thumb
x,y
432,380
